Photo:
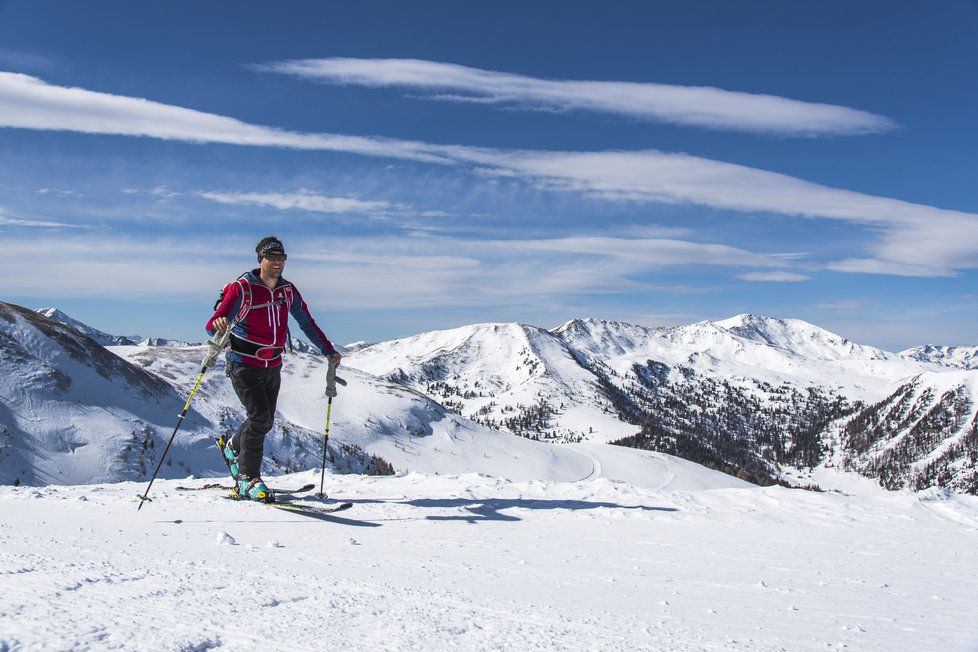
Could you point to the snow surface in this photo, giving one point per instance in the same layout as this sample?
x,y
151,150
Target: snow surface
x,y
490,370
473,562
483,540
960,357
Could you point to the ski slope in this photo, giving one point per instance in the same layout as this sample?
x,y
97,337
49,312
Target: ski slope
x,y
472,562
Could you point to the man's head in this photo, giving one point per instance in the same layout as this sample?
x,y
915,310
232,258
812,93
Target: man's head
x,y
271,257
269,246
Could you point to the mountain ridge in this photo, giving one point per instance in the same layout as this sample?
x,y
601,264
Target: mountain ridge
x,y
748,395
763,398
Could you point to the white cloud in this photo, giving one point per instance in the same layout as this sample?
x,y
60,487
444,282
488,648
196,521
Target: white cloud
x,y
376,273
698,106
650,252
29,103
914,239
773,277
302,199
59,192
8,220
890,268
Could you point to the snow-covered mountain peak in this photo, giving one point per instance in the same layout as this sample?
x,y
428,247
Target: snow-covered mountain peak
x,y
103,338
498,353
799,337
599,337
72,411
959,357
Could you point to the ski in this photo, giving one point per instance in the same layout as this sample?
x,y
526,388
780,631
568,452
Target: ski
x,y
297,508
312,509
218,485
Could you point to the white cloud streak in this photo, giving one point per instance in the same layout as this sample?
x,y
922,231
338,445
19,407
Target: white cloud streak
x,y
889,268
650,252
376,273
9,220
773,277
696,106
29,103
302,199
914,239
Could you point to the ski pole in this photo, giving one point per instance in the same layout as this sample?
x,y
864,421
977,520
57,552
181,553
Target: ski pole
x,y
214,347
331,380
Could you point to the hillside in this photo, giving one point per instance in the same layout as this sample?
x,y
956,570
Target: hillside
x,y
72,412
120,406
752,396
764,399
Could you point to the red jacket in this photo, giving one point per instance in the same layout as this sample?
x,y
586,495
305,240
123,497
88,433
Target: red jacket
x,y
260,318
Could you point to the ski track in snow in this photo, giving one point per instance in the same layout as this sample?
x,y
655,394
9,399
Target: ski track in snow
x,y
478,563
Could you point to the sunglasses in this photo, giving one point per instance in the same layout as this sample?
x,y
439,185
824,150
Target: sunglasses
x,y
276,258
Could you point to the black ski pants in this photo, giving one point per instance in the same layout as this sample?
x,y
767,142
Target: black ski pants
x,y
257,389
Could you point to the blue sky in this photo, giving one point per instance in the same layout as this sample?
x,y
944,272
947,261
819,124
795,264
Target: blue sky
x,y
435,164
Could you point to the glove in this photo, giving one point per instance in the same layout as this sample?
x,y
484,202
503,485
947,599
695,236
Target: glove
x,y
331,376
214,347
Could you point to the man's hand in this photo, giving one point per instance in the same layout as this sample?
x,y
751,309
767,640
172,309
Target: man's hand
x,y
334,362
220,323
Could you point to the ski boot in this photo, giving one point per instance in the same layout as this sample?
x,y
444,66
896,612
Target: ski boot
x,y
254,489
231,459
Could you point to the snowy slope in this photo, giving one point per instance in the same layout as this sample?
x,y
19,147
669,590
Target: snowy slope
x,y
498,374
412,432
750,395
470,562
101,337
492,372
924,433
71,412
749,349
959,357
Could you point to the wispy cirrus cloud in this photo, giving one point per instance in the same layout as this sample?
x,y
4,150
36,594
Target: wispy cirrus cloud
x,y
648,253
27,60
7,219
909,239
773,277
29,103
888,268
696,106
906,239
302,199
378,273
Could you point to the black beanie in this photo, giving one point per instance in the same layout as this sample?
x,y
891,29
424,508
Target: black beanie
x,y
269,245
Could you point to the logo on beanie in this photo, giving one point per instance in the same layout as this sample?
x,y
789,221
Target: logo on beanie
x,y
269,247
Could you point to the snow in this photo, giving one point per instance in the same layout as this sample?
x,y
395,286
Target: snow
x,y
520,365
961,357
474,562
482,540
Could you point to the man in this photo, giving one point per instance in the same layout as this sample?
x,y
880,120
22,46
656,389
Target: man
x,y
259,304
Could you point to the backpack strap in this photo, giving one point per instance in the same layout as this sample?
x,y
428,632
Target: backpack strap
x,y
289,298
245,298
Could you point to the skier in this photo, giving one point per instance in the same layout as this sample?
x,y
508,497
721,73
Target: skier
x,y
260,302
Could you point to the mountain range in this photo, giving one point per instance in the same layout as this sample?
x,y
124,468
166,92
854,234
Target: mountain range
x,y
763,398
767,400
